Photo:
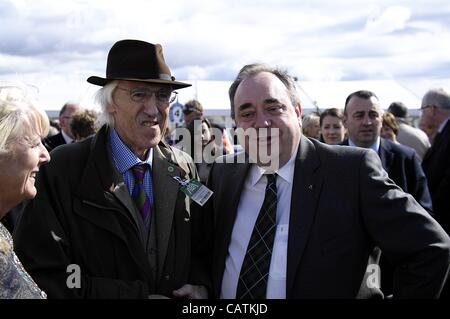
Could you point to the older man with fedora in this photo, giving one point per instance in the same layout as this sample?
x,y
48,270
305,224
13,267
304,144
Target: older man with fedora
x,y
111,219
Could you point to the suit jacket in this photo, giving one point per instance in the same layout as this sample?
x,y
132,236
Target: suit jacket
x,y
53,141
342,206
437,169
83,215
403,167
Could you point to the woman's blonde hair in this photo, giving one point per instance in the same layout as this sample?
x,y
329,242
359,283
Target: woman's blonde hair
x,y
20,116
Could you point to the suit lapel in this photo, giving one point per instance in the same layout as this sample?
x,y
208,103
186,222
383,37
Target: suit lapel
x,y
386,156
101,184
102,187
437,142
165,193
113,181
232,187
120,191
305,195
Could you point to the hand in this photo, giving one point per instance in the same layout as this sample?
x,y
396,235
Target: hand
x,y
191,292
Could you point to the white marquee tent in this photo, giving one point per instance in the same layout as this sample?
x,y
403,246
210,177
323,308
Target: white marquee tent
x,y
325,94
214,94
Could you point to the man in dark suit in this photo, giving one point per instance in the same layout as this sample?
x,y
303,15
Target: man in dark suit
x,y
436,110
323,210
363,121
110,210
65,135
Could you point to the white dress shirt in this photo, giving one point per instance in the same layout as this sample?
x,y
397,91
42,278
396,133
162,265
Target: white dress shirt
x,y
375,146
249,206
66,137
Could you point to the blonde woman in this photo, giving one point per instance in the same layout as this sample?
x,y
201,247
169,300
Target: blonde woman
x,y
311,125
22,126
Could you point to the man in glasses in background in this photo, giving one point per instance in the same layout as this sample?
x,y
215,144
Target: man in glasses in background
x,y
116,224
65,135
436,163
436,111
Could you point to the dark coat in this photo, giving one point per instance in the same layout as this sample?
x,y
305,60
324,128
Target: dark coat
x,y
53,141
83,214
342,206
403,167
436,165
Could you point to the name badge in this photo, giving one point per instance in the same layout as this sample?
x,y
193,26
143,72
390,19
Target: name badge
x,y
195,190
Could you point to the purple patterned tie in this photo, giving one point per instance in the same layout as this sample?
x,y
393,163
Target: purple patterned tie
x,y
139,196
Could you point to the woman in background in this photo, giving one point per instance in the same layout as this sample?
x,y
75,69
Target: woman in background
x,y
389,129
332,127
22,126
311,125
83,124
203,148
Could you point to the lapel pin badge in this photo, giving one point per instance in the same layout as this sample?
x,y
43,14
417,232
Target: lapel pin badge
x,y
170,169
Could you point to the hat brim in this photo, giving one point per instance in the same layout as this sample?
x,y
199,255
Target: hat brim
x,y
96,80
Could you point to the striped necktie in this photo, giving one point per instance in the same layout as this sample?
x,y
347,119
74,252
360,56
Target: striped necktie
x,y
139,196
255,268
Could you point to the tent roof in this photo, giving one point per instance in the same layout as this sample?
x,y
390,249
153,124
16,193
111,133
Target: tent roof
x,y
322,94
214,94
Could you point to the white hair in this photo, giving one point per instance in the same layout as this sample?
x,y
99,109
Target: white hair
x,y
104,98
20,116
439,97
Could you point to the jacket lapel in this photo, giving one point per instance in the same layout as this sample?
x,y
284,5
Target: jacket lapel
x,y
103,188
305,195
386,156
437,141
165,193
231,192
101,182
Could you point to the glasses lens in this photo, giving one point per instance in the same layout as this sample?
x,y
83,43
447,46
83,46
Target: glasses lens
x,y
138,95
143,94
163,96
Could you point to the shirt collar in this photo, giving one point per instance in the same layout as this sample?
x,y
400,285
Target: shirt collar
x,y
66,137
375,146
123,157
286,172
443,125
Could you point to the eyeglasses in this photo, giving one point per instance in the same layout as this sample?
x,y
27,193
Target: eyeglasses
x,y
425,107
140,95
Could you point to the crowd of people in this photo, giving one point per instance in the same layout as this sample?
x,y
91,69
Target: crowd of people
x,y
342,203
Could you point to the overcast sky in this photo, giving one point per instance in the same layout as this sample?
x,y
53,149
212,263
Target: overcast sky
x,y
56,45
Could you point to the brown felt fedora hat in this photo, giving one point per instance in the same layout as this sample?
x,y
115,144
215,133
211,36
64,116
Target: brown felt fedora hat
x,y
135,60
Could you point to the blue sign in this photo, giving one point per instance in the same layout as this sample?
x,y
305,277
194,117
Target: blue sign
x,y
176,116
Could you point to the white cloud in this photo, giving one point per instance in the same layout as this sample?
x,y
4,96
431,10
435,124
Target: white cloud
x,y
392,19
58,44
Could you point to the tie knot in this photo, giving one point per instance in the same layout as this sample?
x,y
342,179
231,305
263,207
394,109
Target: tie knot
x,y
271,178
139,172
